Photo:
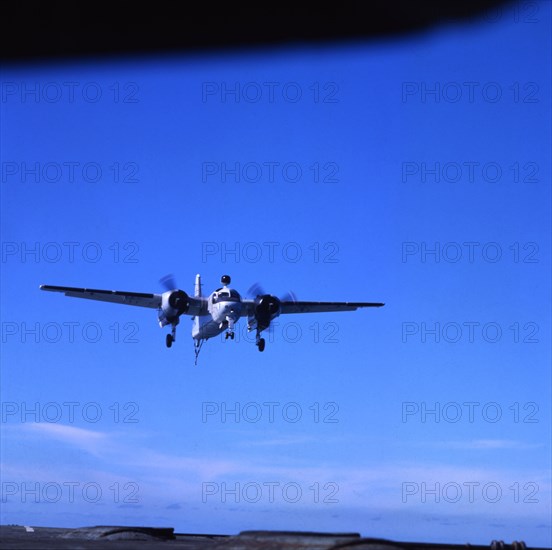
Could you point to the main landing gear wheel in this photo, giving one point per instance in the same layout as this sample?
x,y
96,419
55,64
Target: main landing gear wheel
x,y
172,336
261,344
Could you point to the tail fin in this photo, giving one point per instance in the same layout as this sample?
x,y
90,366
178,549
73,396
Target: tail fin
x,y
197,288
196,323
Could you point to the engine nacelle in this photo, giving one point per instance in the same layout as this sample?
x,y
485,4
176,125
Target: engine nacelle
x,y
268,308
173,304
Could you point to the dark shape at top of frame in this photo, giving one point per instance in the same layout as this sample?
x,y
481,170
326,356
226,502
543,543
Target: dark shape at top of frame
x,y
50,31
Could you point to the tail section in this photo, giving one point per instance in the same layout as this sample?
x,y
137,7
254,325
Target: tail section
x,y
197,288
196,327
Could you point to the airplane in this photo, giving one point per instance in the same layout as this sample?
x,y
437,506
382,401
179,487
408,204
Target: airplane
x,y
211,314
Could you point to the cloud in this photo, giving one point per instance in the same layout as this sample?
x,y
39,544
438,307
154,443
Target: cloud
x,y
279,441
179,477
87,440
489,444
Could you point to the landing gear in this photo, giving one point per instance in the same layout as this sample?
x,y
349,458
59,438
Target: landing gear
x,y
171,337
260,342
229,324
197,349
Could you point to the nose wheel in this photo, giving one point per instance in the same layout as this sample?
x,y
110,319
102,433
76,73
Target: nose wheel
x,y
229,323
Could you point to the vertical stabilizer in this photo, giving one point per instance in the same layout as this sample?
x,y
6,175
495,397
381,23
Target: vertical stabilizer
x,y
197,288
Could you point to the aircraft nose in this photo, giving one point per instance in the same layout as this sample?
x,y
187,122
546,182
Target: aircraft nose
x,y
233,309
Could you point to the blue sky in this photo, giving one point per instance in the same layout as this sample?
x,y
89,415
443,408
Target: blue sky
x,y
413,172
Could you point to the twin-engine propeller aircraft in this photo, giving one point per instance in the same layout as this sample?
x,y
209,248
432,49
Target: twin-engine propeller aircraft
x,y
211,314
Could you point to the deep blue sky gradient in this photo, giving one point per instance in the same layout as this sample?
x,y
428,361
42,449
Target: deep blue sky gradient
x,y
368,118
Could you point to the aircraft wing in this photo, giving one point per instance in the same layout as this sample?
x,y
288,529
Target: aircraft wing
x,y
114,296
318,307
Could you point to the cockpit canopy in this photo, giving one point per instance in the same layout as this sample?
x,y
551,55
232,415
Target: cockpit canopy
x,y
225,295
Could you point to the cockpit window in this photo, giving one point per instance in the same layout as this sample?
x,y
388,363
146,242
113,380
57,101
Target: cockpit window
x,y
229,295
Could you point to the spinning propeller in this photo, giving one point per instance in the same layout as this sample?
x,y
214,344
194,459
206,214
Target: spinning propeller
x,y
256,290
168,282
